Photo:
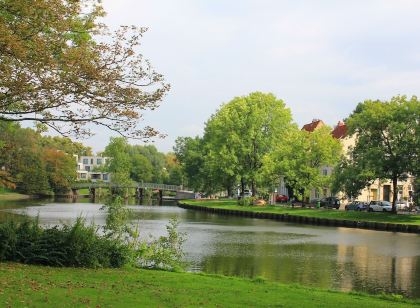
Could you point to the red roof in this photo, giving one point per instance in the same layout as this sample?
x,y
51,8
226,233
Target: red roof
x,y
340,131
313,125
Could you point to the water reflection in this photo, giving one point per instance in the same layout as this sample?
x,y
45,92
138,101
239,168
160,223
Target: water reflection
x,y
327,257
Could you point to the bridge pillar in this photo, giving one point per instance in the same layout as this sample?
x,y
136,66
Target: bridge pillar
x,y
92,192
140,193
160,196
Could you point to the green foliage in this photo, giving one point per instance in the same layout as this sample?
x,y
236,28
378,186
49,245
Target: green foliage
x,y
117,218
74,245
35,164
165,252
246,201
239,135
299,157
351,177
142,169
141,164
34,178
189,152
388,138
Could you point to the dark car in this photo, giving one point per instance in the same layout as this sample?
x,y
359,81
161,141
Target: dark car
x,y
282,198
356,206
331,202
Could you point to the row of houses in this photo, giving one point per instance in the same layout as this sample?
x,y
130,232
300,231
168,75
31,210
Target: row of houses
x,y
378,190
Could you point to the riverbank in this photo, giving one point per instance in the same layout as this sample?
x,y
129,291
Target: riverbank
x,y
350,219
23,285
11,196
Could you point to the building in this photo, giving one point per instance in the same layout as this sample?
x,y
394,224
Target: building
x,y
90,168
378,190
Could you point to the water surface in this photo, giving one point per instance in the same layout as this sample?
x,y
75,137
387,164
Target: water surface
x,y
327,257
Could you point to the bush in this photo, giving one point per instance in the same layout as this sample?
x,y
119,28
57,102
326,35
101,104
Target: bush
x,y
165,252
246,201
74,245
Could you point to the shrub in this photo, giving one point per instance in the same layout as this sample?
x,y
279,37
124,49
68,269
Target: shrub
x,y
75,245
165,252
246,201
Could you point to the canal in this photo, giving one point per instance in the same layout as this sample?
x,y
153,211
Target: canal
x,y
317,256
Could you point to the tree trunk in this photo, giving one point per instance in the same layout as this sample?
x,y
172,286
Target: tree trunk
x,y
229,190
242,187
253,188
395,194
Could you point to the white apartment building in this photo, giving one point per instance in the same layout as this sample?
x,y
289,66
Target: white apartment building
x,y
89,168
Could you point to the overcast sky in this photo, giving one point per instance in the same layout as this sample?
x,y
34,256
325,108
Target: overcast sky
x,y
320,57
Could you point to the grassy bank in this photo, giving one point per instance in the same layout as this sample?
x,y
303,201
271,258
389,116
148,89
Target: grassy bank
x,y
317,213
7,194
34,286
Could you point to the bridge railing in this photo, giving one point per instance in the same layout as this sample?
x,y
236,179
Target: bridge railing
x,y
134,185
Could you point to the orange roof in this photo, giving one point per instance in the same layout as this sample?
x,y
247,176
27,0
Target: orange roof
x,y
313,125
340,131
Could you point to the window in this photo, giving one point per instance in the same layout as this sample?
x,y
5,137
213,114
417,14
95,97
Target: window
x,y
85,161
325,172
91,161
83,175
87,168
105,177
99,161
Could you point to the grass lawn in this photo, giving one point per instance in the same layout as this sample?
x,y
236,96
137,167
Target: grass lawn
x,y
320,213
8,194
36,286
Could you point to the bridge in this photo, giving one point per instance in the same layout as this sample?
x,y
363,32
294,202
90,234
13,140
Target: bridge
x,y
181,192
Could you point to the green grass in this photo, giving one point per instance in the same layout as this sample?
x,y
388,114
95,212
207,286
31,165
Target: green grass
x,y
9,194
35,286
83,191
320,213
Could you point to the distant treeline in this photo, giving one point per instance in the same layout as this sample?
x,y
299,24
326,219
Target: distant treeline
x,y
43,165
36,164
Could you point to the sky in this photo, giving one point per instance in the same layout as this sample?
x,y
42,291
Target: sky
x,y
321,57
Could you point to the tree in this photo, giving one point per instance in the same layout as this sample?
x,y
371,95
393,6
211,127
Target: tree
x,y
60,168
388,138
63,69
350,178
119,164
242,132
142,169
156,158
188,152
65,145
34,180
299,157
174,170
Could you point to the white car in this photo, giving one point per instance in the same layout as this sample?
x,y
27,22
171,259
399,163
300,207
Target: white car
x,y
380,206
402,205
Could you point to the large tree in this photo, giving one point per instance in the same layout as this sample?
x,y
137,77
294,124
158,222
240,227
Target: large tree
x,y
63,69
189,153
242,132
388,138
300,156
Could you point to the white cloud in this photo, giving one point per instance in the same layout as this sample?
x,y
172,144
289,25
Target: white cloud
x,y
321,57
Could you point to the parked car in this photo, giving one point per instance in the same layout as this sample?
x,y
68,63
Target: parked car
x,y
380,206
356,206
282,198
403,205
331,202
